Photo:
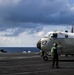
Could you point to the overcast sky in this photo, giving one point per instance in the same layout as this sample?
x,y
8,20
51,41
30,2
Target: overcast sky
x,y
24,22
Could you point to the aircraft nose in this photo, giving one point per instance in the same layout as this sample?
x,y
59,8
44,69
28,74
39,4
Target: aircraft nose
x,y
39,44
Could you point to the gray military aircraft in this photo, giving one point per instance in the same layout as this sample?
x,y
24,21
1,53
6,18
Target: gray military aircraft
x,y
65,41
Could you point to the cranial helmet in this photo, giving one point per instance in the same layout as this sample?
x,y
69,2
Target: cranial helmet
x,y
55,44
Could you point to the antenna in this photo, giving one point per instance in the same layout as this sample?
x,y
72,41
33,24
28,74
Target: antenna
x,y
72,28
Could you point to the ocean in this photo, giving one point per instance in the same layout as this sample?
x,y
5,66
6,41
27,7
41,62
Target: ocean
x,y
19,49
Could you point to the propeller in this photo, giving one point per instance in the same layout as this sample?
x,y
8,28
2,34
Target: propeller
x,y
72,29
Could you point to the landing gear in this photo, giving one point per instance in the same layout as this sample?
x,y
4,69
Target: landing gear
x,y
45,58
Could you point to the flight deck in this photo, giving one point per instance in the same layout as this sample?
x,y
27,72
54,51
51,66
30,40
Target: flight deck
x,y
33,64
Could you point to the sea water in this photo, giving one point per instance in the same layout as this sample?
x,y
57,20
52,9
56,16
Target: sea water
x,y
19,49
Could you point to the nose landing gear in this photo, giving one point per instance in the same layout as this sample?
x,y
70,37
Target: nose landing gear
x,y
45,58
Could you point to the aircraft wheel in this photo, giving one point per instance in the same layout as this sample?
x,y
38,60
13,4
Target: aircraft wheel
x,y
45,58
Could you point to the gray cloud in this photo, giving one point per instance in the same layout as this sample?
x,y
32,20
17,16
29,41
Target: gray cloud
x,y
29,13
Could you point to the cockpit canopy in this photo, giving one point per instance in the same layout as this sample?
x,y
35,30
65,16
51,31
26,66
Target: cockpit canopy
x,y
51,34
56,35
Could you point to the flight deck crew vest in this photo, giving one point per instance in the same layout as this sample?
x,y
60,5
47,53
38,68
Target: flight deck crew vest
x,y
54,51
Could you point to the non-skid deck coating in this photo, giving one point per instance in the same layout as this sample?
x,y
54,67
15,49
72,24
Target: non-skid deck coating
x,y
33,64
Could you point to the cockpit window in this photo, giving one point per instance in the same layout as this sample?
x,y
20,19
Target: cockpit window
x,y
48,35
54,35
